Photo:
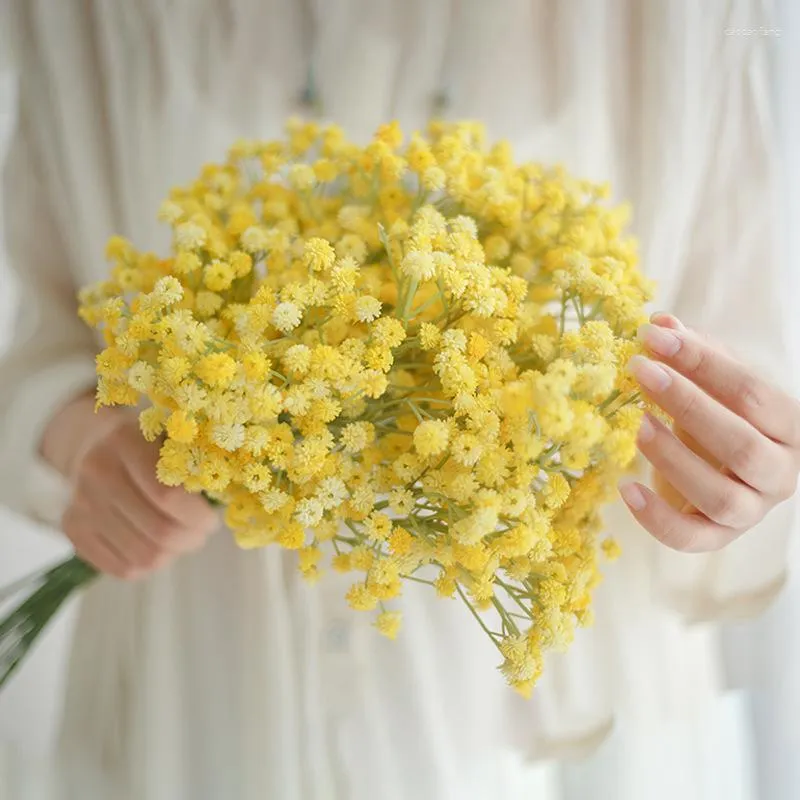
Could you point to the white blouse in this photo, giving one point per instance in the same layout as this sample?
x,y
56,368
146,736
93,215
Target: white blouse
x,y
227,677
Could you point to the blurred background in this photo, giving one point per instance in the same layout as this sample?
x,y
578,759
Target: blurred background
x,y
763,654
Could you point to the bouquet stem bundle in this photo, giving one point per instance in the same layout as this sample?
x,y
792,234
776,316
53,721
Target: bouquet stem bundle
x,y
45,593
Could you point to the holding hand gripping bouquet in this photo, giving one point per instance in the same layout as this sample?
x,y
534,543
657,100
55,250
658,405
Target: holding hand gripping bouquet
x,y
406,362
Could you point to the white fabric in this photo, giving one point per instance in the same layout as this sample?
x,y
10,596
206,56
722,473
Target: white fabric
x,y
766,650
227,677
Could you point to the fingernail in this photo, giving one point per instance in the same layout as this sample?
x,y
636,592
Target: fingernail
x,y
647,430
633,495
663,318
659,340
650,374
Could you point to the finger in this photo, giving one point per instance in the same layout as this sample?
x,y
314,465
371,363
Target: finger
x,y
117,531
157,525
128,501
665,320
93,549
722,499
770,410
734,442
689,533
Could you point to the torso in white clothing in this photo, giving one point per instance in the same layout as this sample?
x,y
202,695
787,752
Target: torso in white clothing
x,y
227,677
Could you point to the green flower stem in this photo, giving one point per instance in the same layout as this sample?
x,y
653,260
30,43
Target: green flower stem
x,y
20,628
409,299
419,580
427,304
514,595
507,621
493,636
609,400
563,318
577,304
416,411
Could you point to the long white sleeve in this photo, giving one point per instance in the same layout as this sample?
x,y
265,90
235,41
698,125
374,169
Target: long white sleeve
x,y
735,289
50,357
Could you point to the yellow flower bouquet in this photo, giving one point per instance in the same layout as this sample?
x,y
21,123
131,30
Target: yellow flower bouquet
x,y
404,361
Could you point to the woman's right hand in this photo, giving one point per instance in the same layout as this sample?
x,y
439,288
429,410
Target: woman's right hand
x,y
120,519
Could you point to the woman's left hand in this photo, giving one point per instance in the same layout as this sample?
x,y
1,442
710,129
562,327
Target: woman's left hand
x,y
734,452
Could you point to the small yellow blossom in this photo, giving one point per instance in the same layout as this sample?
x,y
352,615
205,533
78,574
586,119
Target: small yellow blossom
x,y
151,422
377,527
400,542
286,317
218,276
181,427
361,598
431,437
302,177
292,535
611,549
190,236
186,263
216,369
388,623
318,254
255,240
357,435
367,308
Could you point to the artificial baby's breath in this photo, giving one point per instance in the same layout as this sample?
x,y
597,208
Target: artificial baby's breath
x,y
403,361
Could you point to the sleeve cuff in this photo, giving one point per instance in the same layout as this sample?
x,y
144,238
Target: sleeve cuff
x,y
29,485
735,583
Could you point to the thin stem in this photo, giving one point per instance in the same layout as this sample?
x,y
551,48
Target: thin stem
x,y
477,616
418,580
609,400
427,304
512,593
504,616
409,299
578,306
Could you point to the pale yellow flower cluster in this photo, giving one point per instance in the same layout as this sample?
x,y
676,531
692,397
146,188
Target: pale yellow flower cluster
x,y
405,360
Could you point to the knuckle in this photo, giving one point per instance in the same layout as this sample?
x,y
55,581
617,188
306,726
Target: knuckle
x,y
93,466
686,406
745,457
167,531
160,493
678,537
168,498
752,392
730,508
788,486
128,572
694,358
154,560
